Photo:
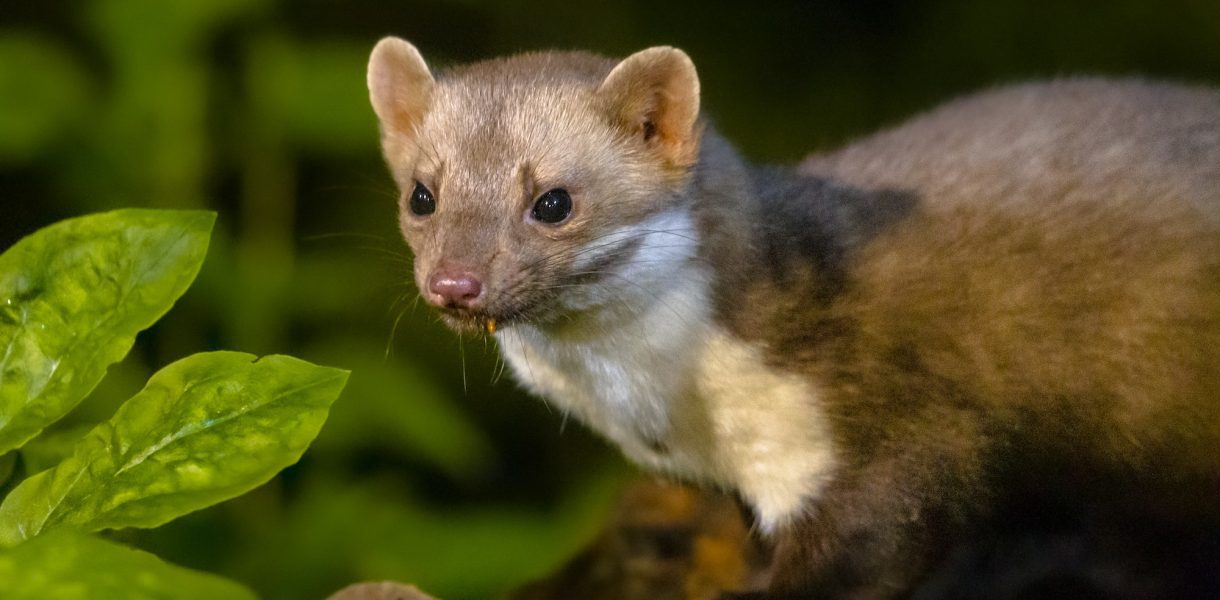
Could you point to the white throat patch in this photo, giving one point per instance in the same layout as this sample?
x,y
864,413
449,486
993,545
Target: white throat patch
x,y
675,391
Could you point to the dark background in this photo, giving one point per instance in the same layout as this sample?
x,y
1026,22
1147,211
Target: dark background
x,y
428,470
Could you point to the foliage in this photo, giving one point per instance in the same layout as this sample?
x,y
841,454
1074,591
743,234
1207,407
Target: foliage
x,y
67,564
74,297
205,429
208,427
257,109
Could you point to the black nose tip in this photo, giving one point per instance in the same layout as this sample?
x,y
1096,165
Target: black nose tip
x,y
454,289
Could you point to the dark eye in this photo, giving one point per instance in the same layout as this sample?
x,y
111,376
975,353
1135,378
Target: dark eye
x,y
422,202
552,207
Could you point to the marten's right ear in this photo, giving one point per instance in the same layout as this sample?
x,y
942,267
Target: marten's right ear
x,y
654,95
400,86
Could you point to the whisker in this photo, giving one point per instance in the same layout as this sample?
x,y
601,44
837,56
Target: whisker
x,y
618,238
512,288
317,237
462,355
497,370
389,344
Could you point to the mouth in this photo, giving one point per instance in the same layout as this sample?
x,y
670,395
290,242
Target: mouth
x,y
468,321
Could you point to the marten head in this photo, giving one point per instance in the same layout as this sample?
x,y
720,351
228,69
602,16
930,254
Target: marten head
x,y
539,186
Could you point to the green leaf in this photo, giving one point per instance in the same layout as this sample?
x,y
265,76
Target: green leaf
x,y
74,295
206,428
67,564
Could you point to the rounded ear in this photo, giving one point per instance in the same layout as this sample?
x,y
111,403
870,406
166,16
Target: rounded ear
x,y
400,86
654,95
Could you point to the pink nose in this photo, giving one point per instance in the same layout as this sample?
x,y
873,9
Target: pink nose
x,y
454,288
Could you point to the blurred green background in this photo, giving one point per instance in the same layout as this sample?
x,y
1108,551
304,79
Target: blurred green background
x,y
429,470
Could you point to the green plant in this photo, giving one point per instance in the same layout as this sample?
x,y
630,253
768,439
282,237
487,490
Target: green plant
x,y
204,429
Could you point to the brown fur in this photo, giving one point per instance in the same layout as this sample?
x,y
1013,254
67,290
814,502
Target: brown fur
x,y
1049,305
1016,292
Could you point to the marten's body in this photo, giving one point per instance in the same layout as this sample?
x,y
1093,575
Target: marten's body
x,y
874,350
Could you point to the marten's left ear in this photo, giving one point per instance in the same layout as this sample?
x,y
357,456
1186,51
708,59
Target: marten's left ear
x,y
654,94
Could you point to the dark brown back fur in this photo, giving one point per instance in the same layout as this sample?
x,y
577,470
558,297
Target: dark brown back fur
x,y
1016,287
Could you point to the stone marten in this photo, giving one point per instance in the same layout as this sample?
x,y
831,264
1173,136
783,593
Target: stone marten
x,y
875,350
